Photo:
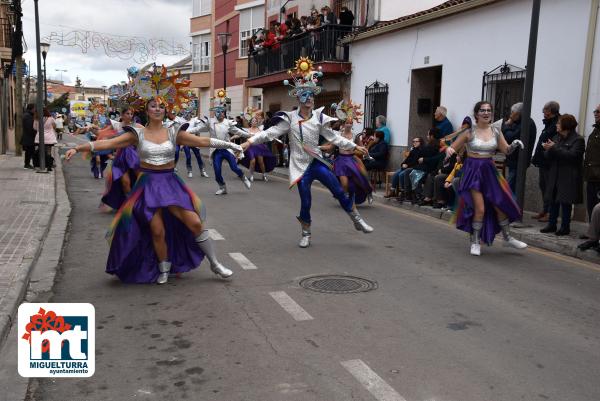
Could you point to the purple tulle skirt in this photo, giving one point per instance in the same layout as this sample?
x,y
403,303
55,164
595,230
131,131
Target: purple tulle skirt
x,y
358,179
126,161
259,149
132,257
481,175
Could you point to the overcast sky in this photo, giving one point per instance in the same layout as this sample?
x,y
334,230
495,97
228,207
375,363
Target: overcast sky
x,y
164,19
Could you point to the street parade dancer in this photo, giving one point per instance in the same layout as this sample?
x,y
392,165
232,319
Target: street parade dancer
x,y
258,152
121,174
160,228
187,150
348,167
303,128
221,128
486,205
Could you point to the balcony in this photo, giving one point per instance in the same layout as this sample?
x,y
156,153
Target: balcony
x,y
268,66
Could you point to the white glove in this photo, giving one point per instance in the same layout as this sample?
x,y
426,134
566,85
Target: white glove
x,y
449,152
514,145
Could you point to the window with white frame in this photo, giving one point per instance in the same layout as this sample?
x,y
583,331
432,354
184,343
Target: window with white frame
x,y
251,21
201,7
201,53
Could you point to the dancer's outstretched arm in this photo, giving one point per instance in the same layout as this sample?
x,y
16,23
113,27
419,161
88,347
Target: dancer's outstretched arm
x,y
277,130
186,139
118,142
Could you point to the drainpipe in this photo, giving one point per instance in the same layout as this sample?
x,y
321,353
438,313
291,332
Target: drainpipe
x,y
587,64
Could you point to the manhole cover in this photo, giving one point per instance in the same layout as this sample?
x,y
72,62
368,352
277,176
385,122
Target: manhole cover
x,y
337,284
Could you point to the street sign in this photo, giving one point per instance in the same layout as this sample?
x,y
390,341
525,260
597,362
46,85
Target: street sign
x,y
24,70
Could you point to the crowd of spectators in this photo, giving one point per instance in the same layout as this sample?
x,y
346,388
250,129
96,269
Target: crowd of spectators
x,y
315,39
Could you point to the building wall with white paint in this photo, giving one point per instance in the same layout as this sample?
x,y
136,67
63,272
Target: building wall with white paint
x,y
469,43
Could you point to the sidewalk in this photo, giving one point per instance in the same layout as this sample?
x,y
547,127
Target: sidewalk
x,y
28,205
528,232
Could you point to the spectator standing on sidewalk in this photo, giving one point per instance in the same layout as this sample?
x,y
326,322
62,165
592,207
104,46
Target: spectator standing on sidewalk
x,y
551,112
380,125
511,129
591,165
564,187
60,126
49,132
442,123
28,138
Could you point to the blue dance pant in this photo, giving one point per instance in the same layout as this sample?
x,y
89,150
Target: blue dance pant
x,y
320,172
188,157
98,169
218,156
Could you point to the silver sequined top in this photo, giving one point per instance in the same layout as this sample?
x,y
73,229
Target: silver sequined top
x,y
156,154
481,147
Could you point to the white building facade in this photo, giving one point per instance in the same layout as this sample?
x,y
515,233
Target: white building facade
x,y
440,57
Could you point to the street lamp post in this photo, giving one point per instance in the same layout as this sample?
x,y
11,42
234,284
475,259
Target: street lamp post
x,y
526,112
61,71
39,104
224,40
44,48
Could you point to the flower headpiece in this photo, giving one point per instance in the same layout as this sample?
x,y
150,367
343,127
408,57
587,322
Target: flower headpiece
x,y
305,79
220,101
152,82
347,111
97,108
250,113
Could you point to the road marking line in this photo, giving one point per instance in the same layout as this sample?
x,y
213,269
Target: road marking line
x,y
371,381
214,235
290,306
243,261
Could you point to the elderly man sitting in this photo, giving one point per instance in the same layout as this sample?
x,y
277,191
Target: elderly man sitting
x,y
442,123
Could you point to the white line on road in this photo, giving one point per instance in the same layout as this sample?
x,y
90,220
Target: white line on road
x,y
214,235
243,261
290,306
371,381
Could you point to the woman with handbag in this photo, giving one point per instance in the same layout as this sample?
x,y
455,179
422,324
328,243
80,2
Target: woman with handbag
x,y
49,137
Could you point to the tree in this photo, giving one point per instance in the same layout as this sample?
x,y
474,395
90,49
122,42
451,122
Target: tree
x,y
60,103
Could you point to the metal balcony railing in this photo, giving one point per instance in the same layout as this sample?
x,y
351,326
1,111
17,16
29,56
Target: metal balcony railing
x,y
322,44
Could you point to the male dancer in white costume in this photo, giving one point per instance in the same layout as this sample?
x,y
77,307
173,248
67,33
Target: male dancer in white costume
x,y
303,127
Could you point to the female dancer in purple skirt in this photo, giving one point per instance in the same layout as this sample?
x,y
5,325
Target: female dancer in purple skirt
x,y
159,229
486,205
258,151
350,169
125,165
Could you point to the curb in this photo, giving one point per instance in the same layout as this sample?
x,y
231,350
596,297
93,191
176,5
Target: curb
x,y
16,294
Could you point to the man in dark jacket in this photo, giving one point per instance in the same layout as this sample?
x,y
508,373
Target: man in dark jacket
x,y
551,112
591,164
28,138
511,129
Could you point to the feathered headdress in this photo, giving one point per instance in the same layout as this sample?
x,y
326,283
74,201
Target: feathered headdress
x,y
304,78
220,101
347,111
97,108
153,82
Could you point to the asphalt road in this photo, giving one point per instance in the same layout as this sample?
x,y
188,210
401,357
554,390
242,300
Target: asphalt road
x,y
441,326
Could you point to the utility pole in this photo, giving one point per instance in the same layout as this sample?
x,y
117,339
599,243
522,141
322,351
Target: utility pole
x,y
18,55
526,112
40,101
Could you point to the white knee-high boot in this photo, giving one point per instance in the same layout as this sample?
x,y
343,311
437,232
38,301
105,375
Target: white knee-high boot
x,y
205,243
